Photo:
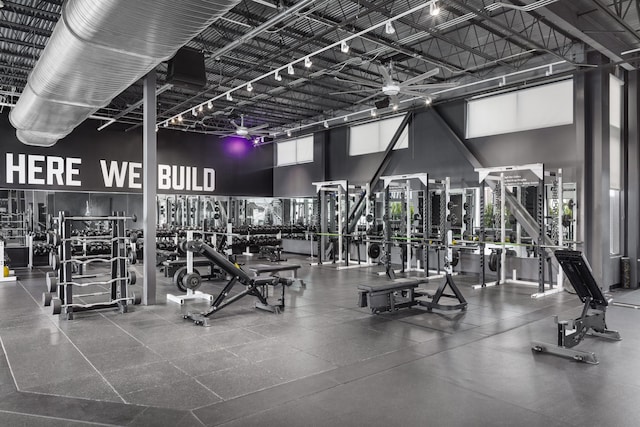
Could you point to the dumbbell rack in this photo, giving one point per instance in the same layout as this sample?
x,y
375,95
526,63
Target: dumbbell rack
x,y
11,277
63,285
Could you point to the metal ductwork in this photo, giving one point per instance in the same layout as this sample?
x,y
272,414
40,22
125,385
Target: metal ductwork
x,y
97,50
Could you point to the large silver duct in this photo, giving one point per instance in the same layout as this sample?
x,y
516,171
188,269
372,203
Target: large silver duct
x,y
98,49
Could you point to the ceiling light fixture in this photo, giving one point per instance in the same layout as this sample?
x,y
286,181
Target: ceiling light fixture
x,y
229,97
389,28
307,62
277,76
345,118
289,133
201,108
290,70
395,107
194,112
344,47
180,118
249,87
326,124
209,105
434,9
428,101
373,113
165,124
173,120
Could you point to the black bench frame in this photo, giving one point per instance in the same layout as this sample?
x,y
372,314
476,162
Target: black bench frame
x,y
592,319
254,286
402,293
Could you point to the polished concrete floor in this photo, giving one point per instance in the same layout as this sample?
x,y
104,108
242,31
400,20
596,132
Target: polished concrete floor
x,y
322,362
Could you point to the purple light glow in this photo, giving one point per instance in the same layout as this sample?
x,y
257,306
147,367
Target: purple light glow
x,y
236,146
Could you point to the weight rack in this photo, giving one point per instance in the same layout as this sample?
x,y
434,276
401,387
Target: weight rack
x,y
62,258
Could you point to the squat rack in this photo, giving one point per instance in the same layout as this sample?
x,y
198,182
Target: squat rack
x,y
425,187
500,179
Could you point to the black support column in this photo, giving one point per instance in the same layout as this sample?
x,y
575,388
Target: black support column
x,y
592,122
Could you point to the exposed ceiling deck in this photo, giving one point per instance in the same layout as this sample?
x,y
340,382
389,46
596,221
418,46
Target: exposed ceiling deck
x,y
473,43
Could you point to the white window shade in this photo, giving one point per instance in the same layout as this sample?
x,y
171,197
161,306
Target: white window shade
x,y
294,151
376,136
304,147
539,107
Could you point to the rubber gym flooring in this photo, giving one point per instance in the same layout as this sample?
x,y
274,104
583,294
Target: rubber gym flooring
x,y
322,362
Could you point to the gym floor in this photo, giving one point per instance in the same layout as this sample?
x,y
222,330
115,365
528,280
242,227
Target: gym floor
x,y
322,362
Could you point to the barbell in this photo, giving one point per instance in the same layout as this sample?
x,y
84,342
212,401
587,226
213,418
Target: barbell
x,y
57,305
52,281
56,263
54,238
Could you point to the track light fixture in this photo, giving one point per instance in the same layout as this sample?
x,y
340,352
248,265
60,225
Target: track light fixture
x,y
290,70
194,112
326,124
344,47
277,76
229,97
373,113
165,124
307,62
389,28
209,105
173,120
249,87
434,8
395,107
180,118
201,108
156,128
428,101
289,133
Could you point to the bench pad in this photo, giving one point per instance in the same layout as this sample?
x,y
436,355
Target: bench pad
x,y
391,286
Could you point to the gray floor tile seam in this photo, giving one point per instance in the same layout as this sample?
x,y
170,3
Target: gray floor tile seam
x,y
44,417
162,385
85,358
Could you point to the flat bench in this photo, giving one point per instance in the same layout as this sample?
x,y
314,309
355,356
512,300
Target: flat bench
x,y
389,296
171,266
275,269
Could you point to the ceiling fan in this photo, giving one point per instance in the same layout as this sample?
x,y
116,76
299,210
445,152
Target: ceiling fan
x,y
248,132
392,88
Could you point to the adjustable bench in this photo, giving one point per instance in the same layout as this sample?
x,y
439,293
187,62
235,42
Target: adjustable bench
x,y
591,321
254,286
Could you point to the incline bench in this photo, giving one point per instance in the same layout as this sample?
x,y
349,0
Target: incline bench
x,y
254,286
402,293
591,321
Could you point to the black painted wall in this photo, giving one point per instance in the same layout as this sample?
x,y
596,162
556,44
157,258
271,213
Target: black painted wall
x,y
241,169
296,180
432,149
